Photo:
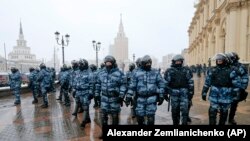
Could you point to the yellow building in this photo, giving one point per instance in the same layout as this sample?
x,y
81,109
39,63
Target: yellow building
x,y
219,26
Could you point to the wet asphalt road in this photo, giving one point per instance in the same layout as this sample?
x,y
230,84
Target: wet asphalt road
x,y
30,122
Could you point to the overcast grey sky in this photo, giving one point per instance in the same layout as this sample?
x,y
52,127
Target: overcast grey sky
x,y
155,27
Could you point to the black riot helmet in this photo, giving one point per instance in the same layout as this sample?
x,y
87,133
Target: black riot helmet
x,y
138,62
131,66
74,64
110,59
146,62
221,57
31,69
42,66
102,65
229,57
13,69
83,64
93,67
235,57
177,57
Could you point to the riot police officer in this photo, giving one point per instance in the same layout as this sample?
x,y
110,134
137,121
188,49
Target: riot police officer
x,y
221,80
242,72
33,84
148,84
129,76
110,88
84,89
45,79
93,69
64,81
180,87
72,89
53,72
15,81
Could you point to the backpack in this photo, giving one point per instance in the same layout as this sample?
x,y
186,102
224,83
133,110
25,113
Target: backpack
x,y
243,95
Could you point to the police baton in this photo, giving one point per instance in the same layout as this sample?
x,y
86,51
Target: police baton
x,y
169,102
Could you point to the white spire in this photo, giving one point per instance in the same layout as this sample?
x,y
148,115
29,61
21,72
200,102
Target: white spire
x,y
21,41
121,29
21,29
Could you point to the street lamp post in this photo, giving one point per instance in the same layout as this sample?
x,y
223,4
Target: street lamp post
x,y
6,65
96,47
62,43
54,57
133,57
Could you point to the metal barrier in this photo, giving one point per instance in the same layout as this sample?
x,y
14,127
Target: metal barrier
x,y
5,91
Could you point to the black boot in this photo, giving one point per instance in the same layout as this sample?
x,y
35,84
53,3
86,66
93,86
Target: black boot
x,y
212,114
115,119
34,101
80,110
95,103
17,103
184,120
223,117
232,122
176,115
140,120
151,120
44,106
104,121
75,110
88,120
176,119
232,112
84,117
189,119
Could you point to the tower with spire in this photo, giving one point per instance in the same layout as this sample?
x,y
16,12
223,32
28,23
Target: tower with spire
x,y
120,47
21,56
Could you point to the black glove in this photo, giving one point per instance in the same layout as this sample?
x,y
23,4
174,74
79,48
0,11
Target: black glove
x,y
74,93
91,97
98,98
120,100
242,95
204,97
128,100
166,97
29,85
160,100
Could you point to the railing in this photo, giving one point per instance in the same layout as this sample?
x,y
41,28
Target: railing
x,y
5,91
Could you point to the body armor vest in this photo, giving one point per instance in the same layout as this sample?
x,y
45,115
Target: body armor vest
x,y
178,78
221,77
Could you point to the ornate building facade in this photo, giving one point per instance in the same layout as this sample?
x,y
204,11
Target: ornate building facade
x,y
120,48
219,26
21,55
